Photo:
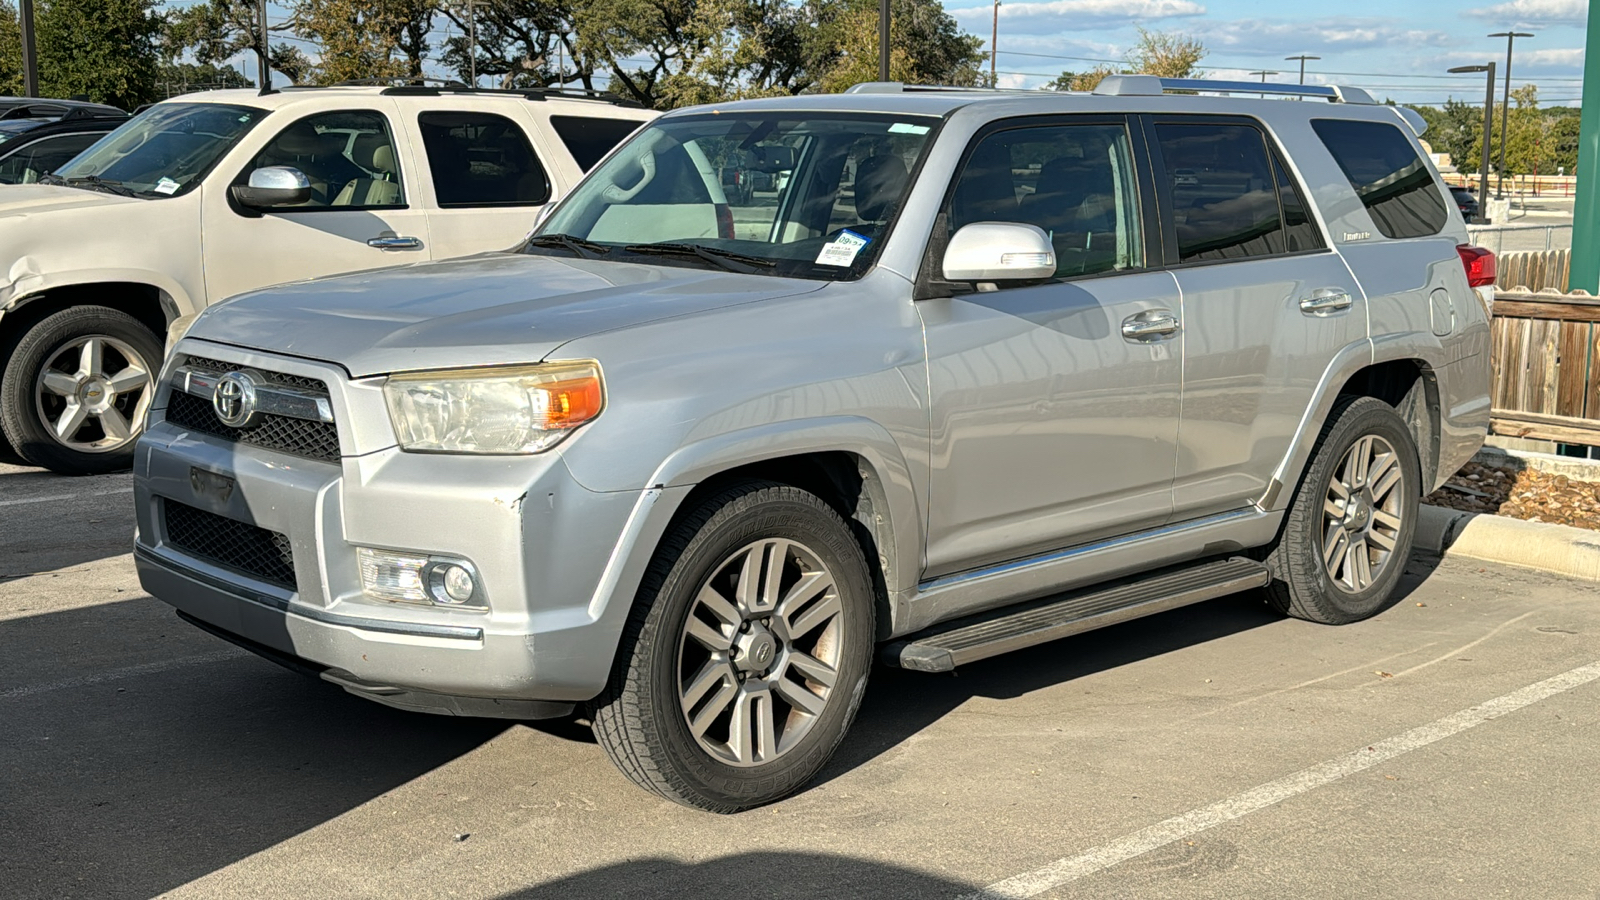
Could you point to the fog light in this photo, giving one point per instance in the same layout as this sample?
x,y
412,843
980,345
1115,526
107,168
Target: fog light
x,y
457,584
402,577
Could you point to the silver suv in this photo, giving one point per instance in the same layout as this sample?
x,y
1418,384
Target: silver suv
x,y
976,371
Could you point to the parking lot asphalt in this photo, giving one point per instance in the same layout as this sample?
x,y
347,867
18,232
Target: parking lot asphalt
x,y
1445,748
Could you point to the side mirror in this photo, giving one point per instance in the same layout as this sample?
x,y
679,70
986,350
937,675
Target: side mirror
x,y
999,251
273,186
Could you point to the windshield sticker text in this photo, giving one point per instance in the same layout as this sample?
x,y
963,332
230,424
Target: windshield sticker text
x,y
842,250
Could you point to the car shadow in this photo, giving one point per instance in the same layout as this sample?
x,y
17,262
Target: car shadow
x,y
772,875
50,522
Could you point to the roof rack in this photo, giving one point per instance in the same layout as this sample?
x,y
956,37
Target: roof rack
x,y
900,87
1152,86
433,87
60,112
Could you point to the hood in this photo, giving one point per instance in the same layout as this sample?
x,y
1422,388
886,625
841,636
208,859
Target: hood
x,y
29,199
492,309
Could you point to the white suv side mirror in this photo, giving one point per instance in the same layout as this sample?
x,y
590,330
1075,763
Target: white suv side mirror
x,y
272,186
999,251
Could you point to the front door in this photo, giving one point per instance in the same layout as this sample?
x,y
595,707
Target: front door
x,y
362,213
1054,404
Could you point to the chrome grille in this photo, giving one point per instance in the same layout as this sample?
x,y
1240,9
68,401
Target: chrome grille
x,y
227,542
312,439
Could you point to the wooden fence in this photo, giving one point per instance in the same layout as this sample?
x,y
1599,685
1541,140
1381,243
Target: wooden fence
x,y
1546,356
1533,270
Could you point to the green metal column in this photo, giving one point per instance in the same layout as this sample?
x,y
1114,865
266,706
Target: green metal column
x,y
1586,216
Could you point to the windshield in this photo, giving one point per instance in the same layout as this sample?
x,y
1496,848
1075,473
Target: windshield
x,y
807,195
164,150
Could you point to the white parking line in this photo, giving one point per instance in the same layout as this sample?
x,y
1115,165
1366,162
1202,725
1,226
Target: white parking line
x,y
126,490
1062,871
118,674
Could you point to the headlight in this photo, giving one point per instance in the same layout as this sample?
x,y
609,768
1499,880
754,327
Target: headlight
x,y
522,409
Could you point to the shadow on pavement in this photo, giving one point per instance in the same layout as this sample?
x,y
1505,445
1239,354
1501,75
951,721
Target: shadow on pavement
x,y
53,522
133,787
771,875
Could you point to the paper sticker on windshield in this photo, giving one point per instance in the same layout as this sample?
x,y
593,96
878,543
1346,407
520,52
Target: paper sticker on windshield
x,y
907,128
165,186
842,250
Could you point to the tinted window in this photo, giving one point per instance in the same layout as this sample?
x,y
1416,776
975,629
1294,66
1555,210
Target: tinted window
x,y
43,157
1075,182
1391,180
348,157
480,159
1224,191
1299,232
590,139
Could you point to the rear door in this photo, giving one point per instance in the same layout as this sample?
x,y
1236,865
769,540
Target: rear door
x,y
486,176
1266,304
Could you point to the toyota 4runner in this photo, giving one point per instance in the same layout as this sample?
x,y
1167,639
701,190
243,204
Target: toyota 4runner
x,y
208,195
988,369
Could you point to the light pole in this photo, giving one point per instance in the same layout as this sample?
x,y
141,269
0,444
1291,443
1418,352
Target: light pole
x,y
30,60
994,44
1505,111
883,40
263,63
1302,57
1488,126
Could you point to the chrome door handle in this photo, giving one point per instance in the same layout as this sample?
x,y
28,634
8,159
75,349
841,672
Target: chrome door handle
x,y
1151,325
1325,301
394,242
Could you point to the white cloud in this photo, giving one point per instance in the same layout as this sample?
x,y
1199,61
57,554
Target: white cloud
x,y
1535,13
1013,80
1333,34
1082,13
1527,61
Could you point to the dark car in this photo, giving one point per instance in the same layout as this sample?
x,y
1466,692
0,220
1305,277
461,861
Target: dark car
x,y
37,137
1466,202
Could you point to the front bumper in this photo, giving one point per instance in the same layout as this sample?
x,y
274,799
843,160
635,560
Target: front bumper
x,y
542,544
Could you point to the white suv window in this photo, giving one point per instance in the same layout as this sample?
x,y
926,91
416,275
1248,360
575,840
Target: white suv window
x,y
348,156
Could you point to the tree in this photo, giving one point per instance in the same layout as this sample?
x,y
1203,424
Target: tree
x,y
10,50
182,77
218,30
1455,129
105,49
1160,53
926,46
359,39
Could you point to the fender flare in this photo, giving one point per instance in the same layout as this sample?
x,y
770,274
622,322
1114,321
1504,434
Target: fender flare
x,y
27,287
1354,357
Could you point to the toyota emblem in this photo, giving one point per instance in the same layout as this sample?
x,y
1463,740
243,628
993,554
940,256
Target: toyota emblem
x,y
234,399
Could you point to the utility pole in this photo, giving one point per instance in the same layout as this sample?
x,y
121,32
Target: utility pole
x,y
994,44
1263,73
1586,215
30,60
263,67
883,40
1505,111
472,42
1302,57
1488,127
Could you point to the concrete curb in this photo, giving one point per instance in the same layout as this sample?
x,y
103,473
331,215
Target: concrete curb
x,y
1547,547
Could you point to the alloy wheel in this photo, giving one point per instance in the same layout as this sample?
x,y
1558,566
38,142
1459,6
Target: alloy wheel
x,y
92,394
1361,514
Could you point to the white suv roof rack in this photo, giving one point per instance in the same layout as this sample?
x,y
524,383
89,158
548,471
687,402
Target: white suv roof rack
x,y
1151,86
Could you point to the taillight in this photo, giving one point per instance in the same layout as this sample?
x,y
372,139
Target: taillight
x,y
725,226
1479,264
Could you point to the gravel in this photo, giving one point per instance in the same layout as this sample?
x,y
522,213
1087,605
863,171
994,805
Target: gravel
x,y
1521,494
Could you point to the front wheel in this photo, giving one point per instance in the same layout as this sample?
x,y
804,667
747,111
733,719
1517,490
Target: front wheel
x,y
76,389
1349,529
745,657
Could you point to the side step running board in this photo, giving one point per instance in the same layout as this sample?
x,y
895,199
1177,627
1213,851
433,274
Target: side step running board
x,y
944,647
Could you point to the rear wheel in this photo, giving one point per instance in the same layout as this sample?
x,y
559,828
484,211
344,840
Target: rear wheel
x,y
76,389
1349,529
744,661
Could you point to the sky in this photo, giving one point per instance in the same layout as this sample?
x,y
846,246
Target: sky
x,y
1398,49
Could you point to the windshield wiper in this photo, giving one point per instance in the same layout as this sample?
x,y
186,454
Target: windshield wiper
x,y
726,259
93,182
582,248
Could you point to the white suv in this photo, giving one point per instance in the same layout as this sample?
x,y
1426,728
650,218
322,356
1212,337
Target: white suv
x,y
210,195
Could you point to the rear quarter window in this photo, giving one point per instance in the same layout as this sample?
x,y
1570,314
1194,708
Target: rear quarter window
x,y
1392,181
590,139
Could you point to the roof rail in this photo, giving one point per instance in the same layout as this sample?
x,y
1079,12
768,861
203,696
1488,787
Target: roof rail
x,y
899,87
1152,86
433,87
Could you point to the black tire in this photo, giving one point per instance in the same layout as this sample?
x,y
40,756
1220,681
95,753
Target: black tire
x,y
1303,585
640,719
22,420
